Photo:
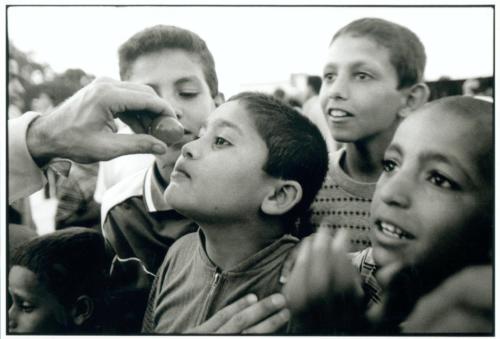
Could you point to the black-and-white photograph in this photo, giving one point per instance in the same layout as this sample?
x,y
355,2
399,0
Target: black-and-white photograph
x,y
249,169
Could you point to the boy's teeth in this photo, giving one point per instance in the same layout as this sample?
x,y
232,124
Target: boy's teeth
x,y
393,231
337,113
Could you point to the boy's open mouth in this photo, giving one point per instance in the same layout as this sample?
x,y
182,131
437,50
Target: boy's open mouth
x,y
393,231
338,113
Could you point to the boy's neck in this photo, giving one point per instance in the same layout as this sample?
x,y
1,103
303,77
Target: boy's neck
x,y
363,159
228,245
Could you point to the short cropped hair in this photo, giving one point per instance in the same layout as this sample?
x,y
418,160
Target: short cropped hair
x,y
297,150
407,53
480,239
473,109
157,38
69,263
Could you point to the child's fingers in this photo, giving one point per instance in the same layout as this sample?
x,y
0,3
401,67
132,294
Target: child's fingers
x,y
223,316
320,259
303,251
271,324
254,314
387,273
340,241
297,288
286,270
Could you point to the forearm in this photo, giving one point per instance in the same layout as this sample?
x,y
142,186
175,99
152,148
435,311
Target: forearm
x,y
25,176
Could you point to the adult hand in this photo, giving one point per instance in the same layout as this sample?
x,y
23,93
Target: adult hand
x,y
249,316
82,128
323,290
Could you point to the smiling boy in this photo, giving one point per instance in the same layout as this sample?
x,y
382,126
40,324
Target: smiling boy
x,y
252,173
432,211
433,205
372,79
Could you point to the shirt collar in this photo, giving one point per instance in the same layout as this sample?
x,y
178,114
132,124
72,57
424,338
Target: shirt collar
x,y
153,192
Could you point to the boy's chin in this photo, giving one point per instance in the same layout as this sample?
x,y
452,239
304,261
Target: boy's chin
x,y
384,258
173,198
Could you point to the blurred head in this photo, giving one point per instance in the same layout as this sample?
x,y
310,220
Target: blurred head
x,y
256,157
314,83
433,204
371,79
178,66
55,281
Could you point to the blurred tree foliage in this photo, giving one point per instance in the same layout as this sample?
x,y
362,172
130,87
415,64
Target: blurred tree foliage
x,y
27,79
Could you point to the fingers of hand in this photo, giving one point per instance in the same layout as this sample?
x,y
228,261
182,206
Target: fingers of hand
x,y
286,270
298,287
340,241
121,96
271,324
254,314
214,324
109,146
387,273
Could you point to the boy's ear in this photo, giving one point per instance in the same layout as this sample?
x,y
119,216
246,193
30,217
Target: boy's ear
x,y
82,309
283,198
416,96
219,99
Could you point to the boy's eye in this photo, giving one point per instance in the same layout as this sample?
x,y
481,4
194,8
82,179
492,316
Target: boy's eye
x,y
188,94
362,76
27,307
441,181
219,141
329,77
388,165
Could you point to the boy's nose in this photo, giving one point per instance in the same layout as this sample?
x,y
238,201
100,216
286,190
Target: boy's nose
x,y
12,318
189,150
395,190
339,89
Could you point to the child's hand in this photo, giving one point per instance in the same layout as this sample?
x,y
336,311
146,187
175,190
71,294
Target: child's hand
x,y
247,315
323,290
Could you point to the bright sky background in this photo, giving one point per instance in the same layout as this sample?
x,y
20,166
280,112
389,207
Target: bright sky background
x,y
251,45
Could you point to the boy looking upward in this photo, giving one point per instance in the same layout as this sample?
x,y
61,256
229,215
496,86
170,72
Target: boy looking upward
x,y
252,173
178,66
372,79
138,224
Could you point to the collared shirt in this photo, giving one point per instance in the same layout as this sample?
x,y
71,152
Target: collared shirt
x,y
137,222
365,264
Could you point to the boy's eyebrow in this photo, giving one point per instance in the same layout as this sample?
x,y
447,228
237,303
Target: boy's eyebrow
x,y
186,79
20,295
225,123
450,160
394,147
434,156
353,64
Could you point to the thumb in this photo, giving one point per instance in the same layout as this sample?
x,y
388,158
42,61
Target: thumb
x,y
385,275
115,145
